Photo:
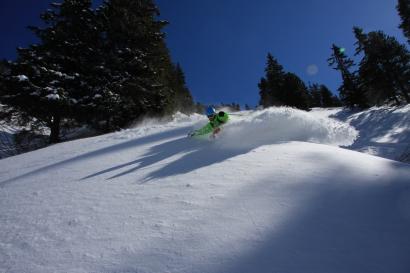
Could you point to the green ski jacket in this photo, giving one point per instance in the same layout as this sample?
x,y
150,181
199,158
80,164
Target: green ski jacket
x,y
214,124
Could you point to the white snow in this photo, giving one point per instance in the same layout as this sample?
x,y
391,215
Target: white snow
x,y
285,124
50,90
22,78
383,131
53,97
259,198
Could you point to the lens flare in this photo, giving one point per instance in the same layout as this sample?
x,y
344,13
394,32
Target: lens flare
x,y
312,70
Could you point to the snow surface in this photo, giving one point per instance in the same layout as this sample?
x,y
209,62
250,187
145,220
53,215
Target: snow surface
x,y
383,131
53,97
22,78
260,198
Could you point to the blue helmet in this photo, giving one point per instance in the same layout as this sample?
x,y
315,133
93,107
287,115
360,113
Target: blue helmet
x,y
210,111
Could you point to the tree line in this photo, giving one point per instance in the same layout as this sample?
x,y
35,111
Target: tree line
x,y
103,67
279,87
382,76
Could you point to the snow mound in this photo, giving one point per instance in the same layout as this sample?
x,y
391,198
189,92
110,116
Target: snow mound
x,y
384,131
280,124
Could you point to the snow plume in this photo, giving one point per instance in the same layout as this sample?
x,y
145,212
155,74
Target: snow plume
x,y
147,125
171,120
283,124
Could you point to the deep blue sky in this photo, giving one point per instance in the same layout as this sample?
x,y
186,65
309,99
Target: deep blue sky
x,y
222,44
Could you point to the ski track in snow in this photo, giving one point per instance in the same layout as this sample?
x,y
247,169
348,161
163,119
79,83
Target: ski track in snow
x,y
260,198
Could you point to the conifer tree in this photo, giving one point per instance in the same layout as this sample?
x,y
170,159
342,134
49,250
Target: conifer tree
x,y
336,101
281,88
327,97
275,77
385,67
403,7
134,51
315,95
181,98
270,87
105,67
350,92
46,82
294,92
321,96
264,93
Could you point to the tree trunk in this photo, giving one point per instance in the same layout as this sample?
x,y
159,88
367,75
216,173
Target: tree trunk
x,y
55,130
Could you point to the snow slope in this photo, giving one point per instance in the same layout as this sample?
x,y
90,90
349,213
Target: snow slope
x,y
260,198
383,131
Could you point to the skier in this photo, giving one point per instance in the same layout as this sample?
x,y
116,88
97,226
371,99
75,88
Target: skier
x,y
214,125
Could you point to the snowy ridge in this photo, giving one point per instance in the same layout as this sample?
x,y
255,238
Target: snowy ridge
x,y
383,131
150,200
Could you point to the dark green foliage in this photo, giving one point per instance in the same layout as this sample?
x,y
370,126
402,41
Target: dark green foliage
x,y
384,69
47,81
321,96
270,86
336,101
264,93
383,76
350,91
294,92
104,67
136,59
3,70
182,100
315,95
281,88
327,96
403,7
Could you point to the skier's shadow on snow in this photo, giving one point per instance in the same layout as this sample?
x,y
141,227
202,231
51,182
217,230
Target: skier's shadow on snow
x,y
100,152
198,155
193,154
